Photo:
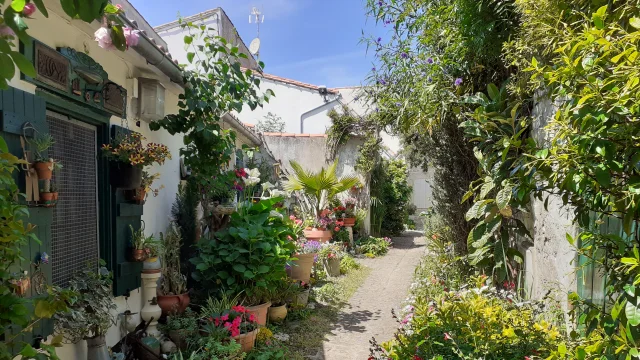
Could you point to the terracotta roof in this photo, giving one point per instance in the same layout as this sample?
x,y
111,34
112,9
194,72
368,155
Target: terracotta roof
x,y
249,125
276,134
293,82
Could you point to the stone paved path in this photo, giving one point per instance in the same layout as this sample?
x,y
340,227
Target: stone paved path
x,y
369,311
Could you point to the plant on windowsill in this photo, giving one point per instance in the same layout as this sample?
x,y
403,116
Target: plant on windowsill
x,y
129,156
91,315
173,297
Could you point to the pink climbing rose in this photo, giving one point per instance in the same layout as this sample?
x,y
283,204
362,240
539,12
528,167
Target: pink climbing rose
x,y
103,37
131,36
28,9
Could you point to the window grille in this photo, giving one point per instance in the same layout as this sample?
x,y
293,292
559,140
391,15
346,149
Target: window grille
x,y
74,231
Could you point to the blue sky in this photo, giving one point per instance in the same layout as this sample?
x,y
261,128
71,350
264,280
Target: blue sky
x,y
314,41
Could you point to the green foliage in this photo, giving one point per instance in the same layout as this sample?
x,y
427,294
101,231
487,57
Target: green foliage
x,y
249,255
348,264
14,17
373,246
392,194
271,123
345,124
317,189
173,282
17,314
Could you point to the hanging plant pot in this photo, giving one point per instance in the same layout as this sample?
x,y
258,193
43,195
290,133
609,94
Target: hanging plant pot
x,y
322,236
48,199
125,176
349,222
247,341
301,269
173,304
44,170
260,312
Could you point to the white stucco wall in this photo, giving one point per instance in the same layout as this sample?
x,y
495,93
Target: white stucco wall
x,y
60,31
174,38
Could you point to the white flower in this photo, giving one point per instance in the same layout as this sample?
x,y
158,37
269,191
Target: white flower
x,y
266,186
277,193
250,181
274,213
253,172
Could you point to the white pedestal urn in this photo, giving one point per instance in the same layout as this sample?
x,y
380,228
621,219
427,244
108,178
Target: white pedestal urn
x,y
150,309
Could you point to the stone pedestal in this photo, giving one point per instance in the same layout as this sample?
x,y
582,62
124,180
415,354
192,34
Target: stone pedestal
x,y
350,231
150,309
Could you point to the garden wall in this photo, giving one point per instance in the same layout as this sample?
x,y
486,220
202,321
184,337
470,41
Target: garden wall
x,y
550,261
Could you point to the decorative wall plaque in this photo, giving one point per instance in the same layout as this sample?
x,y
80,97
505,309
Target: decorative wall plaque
x,y
52,67
77,75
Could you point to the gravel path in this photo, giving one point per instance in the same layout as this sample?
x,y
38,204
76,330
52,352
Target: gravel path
x,y
369,311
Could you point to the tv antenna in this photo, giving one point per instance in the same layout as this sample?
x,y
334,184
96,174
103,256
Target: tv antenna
x,y
257,18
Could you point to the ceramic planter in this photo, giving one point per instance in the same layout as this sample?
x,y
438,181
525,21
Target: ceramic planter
x,y
247,341
322,236
151,265
260,312
332,267
97,348
301,269
277,313
173,304
47,199
302,299
179,339
125,176
138,255
350,222
44,170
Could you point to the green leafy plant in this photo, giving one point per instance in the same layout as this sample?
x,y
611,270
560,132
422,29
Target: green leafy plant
x,y
247,256
281,292
348,264
173,281
42,143
373,246
391,195
317,189
91,315
271,123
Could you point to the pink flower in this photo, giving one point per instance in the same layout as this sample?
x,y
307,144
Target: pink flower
x,y
291,217
131,36
103,37
337,228
119,7
447,336
252,318
29,9
6,31
224,317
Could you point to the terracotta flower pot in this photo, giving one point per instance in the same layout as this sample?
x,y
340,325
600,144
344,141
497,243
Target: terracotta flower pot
x,y
247,341
277,313
350,222
322,236
332,267
55,196
301,269
260,312
125,176
47,199
136,196
173,304
44,170
139,255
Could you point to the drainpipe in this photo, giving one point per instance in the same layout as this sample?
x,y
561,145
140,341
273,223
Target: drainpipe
x,y
315,110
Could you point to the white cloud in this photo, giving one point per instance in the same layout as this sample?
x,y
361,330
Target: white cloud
x,y
319,61
272,9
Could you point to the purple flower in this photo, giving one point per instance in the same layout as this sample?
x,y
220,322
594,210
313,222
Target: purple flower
x,y
398,104
458,82
429,79
387,22
44,258
430,61
377,110
356,98
379,3
379,40
404,55
373,69
382,82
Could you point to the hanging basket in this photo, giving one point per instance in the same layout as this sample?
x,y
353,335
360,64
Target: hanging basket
x,y
125,176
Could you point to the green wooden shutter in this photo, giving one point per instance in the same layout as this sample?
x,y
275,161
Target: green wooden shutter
x,y
17,108
126,273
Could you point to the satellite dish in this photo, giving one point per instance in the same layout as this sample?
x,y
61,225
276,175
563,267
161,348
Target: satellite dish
x,y
254,47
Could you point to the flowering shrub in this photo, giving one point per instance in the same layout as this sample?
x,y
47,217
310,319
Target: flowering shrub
x,y
308,247
373,247
234,322
344,212
330,251
129,149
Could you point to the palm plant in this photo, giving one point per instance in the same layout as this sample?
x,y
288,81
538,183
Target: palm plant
x,y
318,188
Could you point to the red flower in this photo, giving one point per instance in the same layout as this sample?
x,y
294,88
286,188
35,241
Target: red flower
x,y
447,336
252,318
224,317
416,357
241,173
337,228
239,308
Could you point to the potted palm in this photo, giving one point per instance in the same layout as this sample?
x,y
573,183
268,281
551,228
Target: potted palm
x,y
91,314
173,297
129,156
314,190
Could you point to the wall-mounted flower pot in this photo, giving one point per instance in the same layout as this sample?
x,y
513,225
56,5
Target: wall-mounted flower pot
x,y
125,176
350,222
277,313
301,269
48,199
173,304
136,196
318,235
247,341
260,312
332,267
44,170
